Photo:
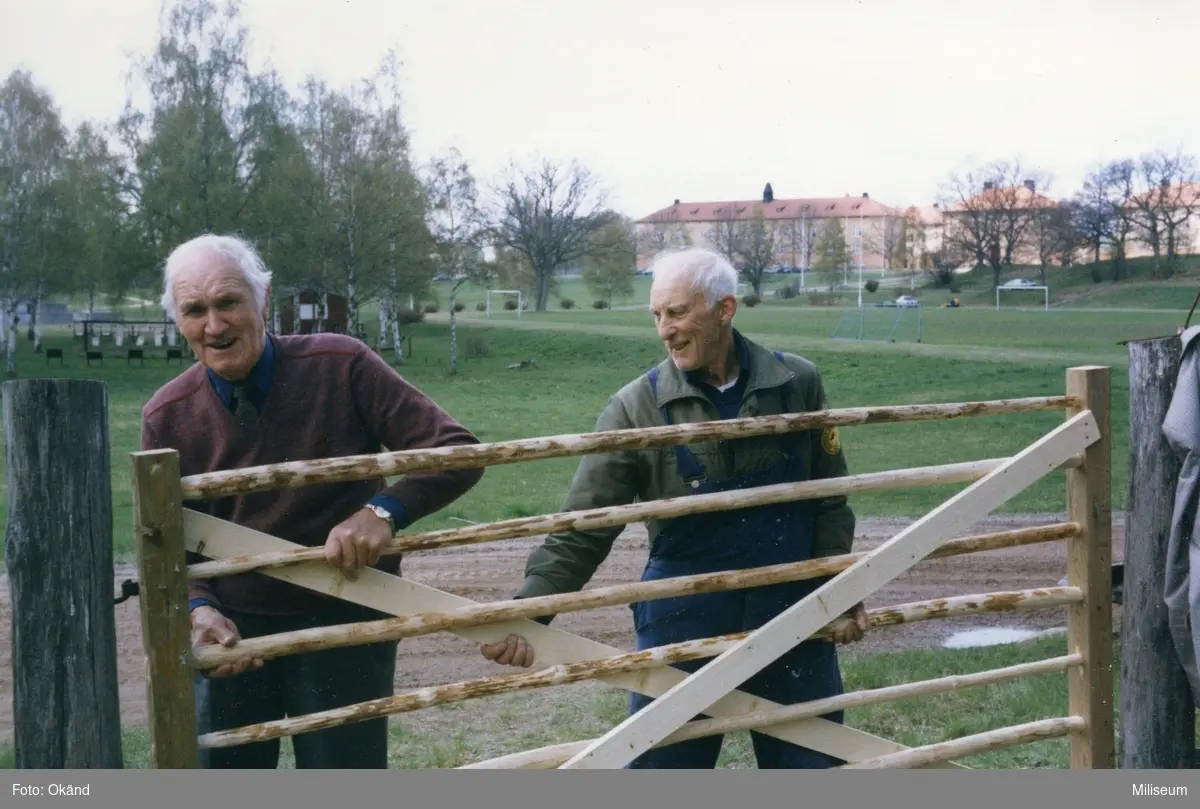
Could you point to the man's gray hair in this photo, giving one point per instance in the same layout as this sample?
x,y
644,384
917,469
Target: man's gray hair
x,y
711,273
239,251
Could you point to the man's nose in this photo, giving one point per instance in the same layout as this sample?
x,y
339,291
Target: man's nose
x,y
214,324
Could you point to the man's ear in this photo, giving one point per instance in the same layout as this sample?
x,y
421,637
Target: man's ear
x,y
728,309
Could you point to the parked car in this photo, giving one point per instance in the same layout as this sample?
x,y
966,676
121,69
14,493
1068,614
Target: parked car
x,y
907,301
1020,282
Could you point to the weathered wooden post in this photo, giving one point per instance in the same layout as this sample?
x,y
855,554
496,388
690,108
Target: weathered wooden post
x,y
59,553
1157,711
166,630
1089,567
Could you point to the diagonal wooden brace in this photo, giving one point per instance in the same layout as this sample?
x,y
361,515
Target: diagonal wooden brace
x,y
220,539
726,672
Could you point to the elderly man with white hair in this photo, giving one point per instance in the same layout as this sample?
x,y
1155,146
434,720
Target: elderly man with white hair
x,y
711,372
257,398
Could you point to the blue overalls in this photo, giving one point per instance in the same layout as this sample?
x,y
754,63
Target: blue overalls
x,y
730,540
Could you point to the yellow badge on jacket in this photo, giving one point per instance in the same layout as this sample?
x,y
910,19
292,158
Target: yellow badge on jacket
x,y
830,441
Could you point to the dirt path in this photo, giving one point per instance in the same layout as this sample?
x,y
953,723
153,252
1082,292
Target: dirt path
x,y
493,571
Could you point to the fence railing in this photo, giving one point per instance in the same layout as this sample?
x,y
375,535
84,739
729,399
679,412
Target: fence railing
x,y
1081,448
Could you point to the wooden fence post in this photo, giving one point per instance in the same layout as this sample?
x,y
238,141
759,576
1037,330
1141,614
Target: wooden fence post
x,y
59,554
166,630
1089,567
1157,710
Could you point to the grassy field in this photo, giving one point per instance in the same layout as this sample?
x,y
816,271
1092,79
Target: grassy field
x,y
581,358
460,733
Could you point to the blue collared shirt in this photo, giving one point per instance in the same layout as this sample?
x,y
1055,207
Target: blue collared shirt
x,y
258,385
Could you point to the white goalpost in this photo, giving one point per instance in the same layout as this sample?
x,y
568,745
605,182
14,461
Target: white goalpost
x,y
491,292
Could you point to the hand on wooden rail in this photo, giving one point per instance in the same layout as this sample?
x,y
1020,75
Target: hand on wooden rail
x,y
515,650
357,542
209,626
849,628
512,651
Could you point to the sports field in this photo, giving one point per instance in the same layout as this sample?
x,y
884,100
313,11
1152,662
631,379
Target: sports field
x,y
580,358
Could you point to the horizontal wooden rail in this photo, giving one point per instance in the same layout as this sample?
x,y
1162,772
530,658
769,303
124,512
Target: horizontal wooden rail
x,y
973,745
934,609
592,519
293,474
553,755
395,628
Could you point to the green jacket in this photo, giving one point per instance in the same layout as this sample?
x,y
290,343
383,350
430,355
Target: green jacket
x,y
566,561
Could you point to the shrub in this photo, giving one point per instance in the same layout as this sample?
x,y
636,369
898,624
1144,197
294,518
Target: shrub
x,y
872,285
459,306
599,304
510,305
431,308
476,346
750,300
481,307
567,303
409,316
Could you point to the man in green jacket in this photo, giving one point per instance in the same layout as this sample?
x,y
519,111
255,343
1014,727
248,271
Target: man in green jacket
x,y
711,372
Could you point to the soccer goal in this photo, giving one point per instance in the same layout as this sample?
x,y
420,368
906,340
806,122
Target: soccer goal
x,y
879,324
492,292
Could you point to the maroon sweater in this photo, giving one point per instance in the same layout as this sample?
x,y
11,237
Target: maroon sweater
x,y
330,396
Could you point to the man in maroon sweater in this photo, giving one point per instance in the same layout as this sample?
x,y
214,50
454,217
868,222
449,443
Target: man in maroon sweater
x,y
255,398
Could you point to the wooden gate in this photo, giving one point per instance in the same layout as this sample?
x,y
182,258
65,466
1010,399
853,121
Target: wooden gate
x,y
1081,447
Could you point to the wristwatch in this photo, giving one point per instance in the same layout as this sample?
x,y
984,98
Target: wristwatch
x,y
383,514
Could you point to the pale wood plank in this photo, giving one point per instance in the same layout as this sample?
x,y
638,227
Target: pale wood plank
x,y
643,730
399,596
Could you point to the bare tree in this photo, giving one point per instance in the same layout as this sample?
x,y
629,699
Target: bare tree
x,y
547,213
1054,234
1096,215
989,212
1167,196
756,250
608,267
891,239
457,226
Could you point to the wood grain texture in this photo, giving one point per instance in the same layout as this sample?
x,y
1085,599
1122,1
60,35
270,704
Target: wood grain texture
x,y
166,629
58,551
666,714
554,755
564,674
400,596
592,519
1089,567
1157,710
359,467
974,745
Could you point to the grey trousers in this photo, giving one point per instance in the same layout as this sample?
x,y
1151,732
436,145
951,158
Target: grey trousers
x,y
300,684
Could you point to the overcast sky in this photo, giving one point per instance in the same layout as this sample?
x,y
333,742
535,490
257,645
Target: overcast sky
x,y
708,99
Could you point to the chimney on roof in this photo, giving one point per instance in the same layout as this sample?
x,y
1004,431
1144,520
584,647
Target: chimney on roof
x,y
676,202
988,185
1165,183
866,195
1031,185
768,194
